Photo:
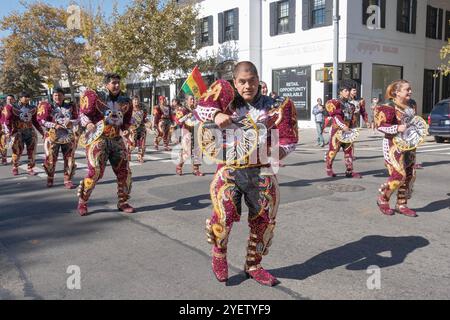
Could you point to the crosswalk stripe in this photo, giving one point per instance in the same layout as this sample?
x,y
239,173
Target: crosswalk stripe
x,y
433,150
18,179
39,172
429,146
147,157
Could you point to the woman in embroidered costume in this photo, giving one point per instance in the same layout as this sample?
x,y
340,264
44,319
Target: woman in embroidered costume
x,y
251,178
391,119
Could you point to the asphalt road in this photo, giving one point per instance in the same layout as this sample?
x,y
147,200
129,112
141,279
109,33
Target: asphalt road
x,y
328,233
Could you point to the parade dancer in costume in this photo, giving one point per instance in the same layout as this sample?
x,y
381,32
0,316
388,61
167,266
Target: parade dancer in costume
x,y
58,120
253,180
3,141
391,119
183,116
18,122
111,111
360,110
137,134
162,121
342,113
4,138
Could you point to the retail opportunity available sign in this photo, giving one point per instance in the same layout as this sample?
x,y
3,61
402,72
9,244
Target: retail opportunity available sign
x,y
293,83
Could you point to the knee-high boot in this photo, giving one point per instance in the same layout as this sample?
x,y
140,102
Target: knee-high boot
x,y
402,199
260,239
383,200
219,253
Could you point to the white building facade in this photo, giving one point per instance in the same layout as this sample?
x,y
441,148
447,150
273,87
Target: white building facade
x,y
291,43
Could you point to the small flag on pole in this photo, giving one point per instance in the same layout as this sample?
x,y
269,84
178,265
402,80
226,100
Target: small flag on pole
x,y
194,84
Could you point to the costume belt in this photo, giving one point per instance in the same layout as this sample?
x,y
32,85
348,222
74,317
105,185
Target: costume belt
x,y
24,125
247,166
335,126
111,132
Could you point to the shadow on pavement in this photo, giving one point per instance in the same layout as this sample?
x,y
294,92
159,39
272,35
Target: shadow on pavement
x,y
137,179
435,163
340,176
436,205
358,255
184,204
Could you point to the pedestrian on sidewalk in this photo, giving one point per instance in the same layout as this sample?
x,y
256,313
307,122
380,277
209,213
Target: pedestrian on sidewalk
x,y
319,116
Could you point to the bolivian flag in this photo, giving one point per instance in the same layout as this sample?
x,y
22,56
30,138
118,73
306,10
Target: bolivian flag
x,y
194,84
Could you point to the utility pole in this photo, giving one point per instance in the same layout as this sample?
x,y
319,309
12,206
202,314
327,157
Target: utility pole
x,y
336,19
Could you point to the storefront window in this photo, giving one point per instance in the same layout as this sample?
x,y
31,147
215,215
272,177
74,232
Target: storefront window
x,y
294,83
382,76
349,71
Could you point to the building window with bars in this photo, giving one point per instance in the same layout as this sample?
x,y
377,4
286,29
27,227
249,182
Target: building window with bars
x,y
435,18
367,5
318,13
205,31
229,25
283,17
447,25
406,16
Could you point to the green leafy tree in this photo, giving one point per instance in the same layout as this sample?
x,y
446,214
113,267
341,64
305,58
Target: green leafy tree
x,y
20,75
154,37
445,57
41,34
91,69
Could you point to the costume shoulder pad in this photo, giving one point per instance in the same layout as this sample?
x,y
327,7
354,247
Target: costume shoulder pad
x,y
216,99
332,105
384,114
43,110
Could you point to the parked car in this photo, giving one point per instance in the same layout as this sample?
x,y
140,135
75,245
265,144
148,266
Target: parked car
x,y
439,121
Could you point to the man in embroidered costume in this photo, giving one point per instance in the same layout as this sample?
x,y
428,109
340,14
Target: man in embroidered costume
x,y
343,115
252,177
183,117
114,111
391,118
58,120
162,121
136,136
3,136
18,121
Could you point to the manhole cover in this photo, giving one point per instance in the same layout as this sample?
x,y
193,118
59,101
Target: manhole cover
x,y
340,187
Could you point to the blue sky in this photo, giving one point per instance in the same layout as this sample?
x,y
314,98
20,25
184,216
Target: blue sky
x,y
7,6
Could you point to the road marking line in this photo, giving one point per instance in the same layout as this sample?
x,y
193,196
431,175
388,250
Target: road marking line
x,y
429,146
147,157
18,179
40,172
433,150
